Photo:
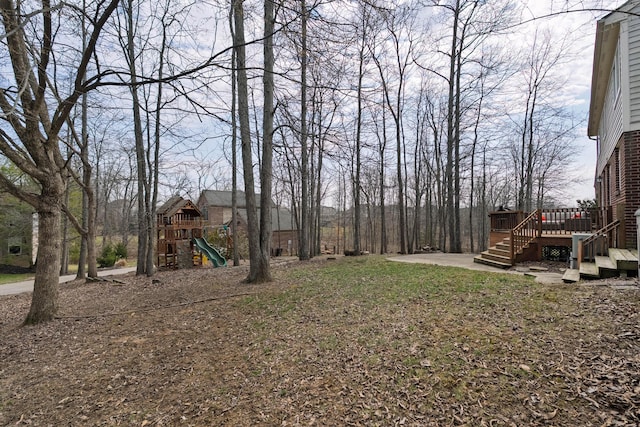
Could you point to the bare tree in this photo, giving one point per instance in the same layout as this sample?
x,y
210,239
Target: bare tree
x,y
259,230
303,250
263,272
31,139
543,56
398,26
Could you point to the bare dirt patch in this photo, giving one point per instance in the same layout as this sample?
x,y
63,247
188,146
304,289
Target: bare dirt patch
x,y
345,342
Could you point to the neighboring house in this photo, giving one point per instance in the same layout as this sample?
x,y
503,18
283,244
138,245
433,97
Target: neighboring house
x,y
216,209
614,115
16,232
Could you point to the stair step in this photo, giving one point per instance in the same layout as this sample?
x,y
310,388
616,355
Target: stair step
x,y
604,262
503,247
481,260
502,252
606,267
494,257
624,259
571,275
589,270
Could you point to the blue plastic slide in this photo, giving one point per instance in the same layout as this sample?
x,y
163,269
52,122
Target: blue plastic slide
x,y
212,253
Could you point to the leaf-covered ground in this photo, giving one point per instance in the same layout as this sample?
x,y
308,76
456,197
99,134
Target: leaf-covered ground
x,y
358,341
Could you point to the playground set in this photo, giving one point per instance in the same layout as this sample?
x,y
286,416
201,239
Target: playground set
x,y
181,243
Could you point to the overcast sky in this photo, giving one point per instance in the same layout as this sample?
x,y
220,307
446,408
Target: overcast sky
x,y
577,93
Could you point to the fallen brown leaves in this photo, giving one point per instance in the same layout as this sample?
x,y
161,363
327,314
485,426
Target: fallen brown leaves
x,y
346,342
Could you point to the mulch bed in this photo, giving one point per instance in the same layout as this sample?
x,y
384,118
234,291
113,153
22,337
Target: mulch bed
x,y
12,269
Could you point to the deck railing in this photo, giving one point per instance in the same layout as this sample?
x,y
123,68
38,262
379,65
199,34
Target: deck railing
x,y
180,223
525,232
505,220
564,221
600,242
524,228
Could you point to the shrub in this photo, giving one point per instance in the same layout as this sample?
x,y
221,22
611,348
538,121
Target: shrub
x,y
108,256
121,251
74,252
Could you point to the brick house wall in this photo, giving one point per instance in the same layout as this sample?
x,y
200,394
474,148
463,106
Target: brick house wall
x,y
216,215
630,160
620,184
281,239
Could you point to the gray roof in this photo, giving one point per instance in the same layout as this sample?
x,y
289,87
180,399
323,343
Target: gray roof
x,y
222,198
287,222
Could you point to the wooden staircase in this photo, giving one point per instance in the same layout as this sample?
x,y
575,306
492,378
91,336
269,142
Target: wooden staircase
x,y
524,237
504,254
496,256
620,262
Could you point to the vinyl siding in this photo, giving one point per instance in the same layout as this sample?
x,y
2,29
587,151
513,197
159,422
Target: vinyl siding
x,y
610,126
634,70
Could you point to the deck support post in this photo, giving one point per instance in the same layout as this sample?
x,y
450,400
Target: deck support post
x,y
622,231
512,255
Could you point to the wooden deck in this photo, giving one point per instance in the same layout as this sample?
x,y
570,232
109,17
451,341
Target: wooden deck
x,y
517,236
543,233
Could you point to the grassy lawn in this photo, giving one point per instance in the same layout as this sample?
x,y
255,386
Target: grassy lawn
x,y
359,341
12,278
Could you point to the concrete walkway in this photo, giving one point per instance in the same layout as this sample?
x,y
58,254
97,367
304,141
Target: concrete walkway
x,y
466,261
27,285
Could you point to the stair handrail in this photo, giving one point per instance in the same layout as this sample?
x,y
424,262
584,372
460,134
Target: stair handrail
x,y
524,233
589,244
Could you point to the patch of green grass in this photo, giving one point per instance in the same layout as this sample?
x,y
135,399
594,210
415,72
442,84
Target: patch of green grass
x,y
372,279
412,323
13,278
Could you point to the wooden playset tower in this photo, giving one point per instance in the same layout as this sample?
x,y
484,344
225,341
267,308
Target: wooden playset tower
x,y
179,222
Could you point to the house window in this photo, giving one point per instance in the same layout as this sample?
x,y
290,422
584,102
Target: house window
x,y
14,246
616,73
607,185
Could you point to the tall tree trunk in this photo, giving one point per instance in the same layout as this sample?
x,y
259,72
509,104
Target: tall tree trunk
x,y
451,143
264,273
141,264
381,151
483,201
64,251
88,196
399,164
314,130
153,163
234,149
64,248
318,179
44,301
253,224
530,153
84,154
457,241
304,208
472,168
357,184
